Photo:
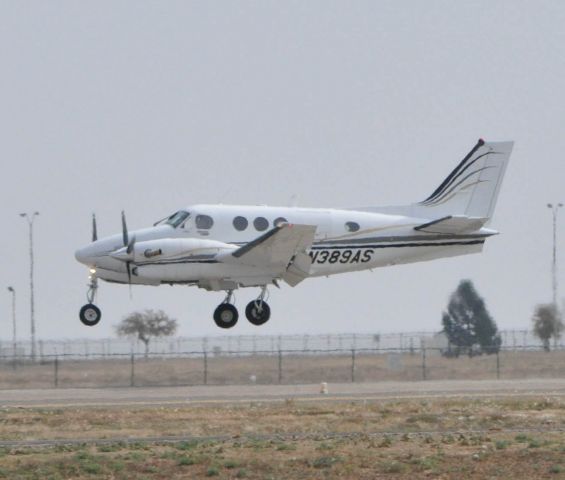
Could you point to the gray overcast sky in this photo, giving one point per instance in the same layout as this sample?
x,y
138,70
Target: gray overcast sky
x,y
152,106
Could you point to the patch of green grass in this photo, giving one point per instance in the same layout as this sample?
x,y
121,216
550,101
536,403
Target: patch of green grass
x,y
385,442
324,462
556,469
139,446
423,418
522,438
428,463
393,467
448,439
534,443
191,445
110,447
257,444
91,468
285,446
117,466
501,444
185,460
212,471
136,456
241,473
231,464
83,455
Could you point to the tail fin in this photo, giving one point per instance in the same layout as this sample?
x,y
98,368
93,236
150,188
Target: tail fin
x,y
472,188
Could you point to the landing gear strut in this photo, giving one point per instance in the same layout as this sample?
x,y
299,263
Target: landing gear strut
x,y
226,315
90,314
258,311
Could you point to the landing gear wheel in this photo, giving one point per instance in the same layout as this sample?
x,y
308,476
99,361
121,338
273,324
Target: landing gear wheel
x,y
226,315
90,315
258,312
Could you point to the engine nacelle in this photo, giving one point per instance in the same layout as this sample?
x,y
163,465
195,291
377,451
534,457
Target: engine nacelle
x,y
171,249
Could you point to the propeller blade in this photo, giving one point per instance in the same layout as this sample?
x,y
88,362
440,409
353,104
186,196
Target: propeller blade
x,y
124,229
94,229
128,266
131,244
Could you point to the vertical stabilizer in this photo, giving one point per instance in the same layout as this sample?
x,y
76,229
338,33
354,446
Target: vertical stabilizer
x,y
471,189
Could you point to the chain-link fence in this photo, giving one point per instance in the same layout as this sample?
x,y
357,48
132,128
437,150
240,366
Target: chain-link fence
x,y
245,344
301,366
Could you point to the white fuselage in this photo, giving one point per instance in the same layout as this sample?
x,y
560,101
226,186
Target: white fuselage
x,y
345,241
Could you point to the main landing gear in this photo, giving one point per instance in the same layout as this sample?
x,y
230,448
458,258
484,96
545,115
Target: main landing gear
x,y
257,311
90,314
226,314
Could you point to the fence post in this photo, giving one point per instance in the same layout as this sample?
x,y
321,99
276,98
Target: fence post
x,y
56,373
423,363
352,365
205,367
497,365
280,366
132,371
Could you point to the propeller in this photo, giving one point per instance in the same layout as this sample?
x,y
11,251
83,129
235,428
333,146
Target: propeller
x,y
130,244
94,229
129,251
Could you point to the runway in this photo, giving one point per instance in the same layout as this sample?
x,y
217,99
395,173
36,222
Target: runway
x,y
98,397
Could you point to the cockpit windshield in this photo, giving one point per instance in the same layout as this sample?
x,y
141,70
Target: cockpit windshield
x,y
177,219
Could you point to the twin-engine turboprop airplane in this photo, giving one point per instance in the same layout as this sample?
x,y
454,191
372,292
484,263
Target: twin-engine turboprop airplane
x,y
220,247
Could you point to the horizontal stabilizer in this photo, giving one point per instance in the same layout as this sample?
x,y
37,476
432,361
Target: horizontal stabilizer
x,y
275,249
454,224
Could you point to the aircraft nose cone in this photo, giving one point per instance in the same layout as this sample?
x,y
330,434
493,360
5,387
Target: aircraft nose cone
x,y
83,255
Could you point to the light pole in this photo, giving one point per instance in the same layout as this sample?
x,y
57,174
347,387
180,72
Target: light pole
x,y
30,218
554,209
14,338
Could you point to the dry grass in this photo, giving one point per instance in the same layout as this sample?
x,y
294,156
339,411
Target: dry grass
x,y
296,369
494,454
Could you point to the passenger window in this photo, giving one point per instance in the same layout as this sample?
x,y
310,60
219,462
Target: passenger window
x,y
279,221
261,224
352,226
240,223
204,222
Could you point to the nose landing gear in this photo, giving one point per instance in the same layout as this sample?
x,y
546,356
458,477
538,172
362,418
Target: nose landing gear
x,y
90,314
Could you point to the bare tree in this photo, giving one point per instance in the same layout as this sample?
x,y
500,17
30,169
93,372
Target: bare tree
x,y
146,325
547,323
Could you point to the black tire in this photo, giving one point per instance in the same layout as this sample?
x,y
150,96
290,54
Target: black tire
x,y
226,315
255,316
90,315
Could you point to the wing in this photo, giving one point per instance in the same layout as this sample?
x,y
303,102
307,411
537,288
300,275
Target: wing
x,y
281,251
453,224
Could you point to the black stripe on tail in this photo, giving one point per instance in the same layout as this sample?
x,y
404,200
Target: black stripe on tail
x,y
456,173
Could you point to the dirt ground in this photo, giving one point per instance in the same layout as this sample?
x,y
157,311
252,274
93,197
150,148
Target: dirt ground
x,y
447,438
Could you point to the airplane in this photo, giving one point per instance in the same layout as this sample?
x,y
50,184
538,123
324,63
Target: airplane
x,y
226,247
